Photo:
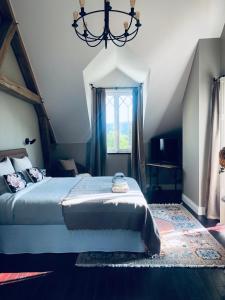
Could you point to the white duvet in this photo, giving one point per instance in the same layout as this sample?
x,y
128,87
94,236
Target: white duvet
x,y
39,203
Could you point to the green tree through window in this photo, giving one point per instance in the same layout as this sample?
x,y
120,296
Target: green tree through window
x,y
119,120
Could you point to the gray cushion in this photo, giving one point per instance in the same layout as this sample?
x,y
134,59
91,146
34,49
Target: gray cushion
x,y
68,165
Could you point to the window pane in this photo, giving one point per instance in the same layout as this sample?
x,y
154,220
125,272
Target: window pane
x,y
125,122
119,120
110,124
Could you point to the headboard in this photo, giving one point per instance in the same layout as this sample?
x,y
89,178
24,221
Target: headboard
x,y
18,153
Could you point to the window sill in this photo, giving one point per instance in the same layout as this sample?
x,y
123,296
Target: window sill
x,y
115,153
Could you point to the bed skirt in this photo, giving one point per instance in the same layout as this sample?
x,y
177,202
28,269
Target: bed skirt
x,y
35,239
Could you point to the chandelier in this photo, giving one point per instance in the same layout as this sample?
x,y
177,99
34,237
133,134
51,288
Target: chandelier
x,y
84,33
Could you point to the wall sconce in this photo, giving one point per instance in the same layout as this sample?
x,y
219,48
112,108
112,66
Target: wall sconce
x,y
29,142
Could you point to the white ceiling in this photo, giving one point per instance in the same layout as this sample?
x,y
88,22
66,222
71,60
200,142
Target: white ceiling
x,y
166,43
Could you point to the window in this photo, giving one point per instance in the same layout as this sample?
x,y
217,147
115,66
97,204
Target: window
x,y
119,103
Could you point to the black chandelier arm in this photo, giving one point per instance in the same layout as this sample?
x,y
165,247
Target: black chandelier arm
x,y
125,13
94,40
133,35
122,35
129,37
123,42
83,38
93,45
103,11
91,35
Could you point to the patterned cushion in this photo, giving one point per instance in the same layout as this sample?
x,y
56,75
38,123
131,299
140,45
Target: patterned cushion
x,y
15,182
35,174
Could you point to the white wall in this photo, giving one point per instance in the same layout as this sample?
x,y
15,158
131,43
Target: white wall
x,y
18,119
166,42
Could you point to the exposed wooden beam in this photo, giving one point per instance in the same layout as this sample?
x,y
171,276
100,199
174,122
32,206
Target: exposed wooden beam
x,y
23,62
5,20
7,41
30,94
19,91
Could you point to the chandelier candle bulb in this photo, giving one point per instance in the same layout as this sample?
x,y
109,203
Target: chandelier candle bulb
x,y
82,2
138,15
132,3
75,15
125,25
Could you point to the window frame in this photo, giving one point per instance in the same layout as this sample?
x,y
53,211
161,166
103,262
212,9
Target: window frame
x,y
116,93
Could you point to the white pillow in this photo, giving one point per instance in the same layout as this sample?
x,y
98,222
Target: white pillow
x,y
21,164
6,167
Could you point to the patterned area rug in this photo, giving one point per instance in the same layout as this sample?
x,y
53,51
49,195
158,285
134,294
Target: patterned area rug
x,y
184,243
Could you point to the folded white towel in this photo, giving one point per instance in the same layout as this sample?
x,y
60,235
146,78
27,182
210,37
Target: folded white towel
x,y
118,175
120,186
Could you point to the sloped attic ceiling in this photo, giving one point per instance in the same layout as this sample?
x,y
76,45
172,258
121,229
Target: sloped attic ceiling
x,y
166,43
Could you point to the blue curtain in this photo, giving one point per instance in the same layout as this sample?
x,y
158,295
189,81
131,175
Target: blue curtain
x,y
138,153
98,139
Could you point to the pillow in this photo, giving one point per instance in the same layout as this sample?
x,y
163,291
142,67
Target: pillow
x,y
21,164
3,186
35,174
15,182
69,165
6,167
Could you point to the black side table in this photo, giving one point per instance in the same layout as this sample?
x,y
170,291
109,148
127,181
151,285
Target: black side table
x,y
160,166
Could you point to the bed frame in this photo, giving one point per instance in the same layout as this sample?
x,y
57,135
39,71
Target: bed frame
x,y
36,239
18,153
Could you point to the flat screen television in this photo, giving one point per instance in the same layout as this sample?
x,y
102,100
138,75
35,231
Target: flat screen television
x,y
166,150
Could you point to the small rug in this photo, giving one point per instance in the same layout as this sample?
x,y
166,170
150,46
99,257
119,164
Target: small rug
x,y
184,243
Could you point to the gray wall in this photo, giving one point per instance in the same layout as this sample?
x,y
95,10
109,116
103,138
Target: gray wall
x,y
191,134
196,107
80,152
223,51
18,119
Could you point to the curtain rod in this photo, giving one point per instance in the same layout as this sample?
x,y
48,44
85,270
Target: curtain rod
x,y
116,88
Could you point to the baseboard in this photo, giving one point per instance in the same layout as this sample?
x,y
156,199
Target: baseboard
x,y
199,210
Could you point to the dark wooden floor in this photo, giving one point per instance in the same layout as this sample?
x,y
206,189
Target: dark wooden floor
x,y
67,282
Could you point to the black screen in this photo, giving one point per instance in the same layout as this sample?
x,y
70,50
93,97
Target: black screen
x,y
166,150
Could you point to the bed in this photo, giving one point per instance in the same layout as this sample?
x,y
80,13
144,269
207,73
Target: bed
x,y
34,219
